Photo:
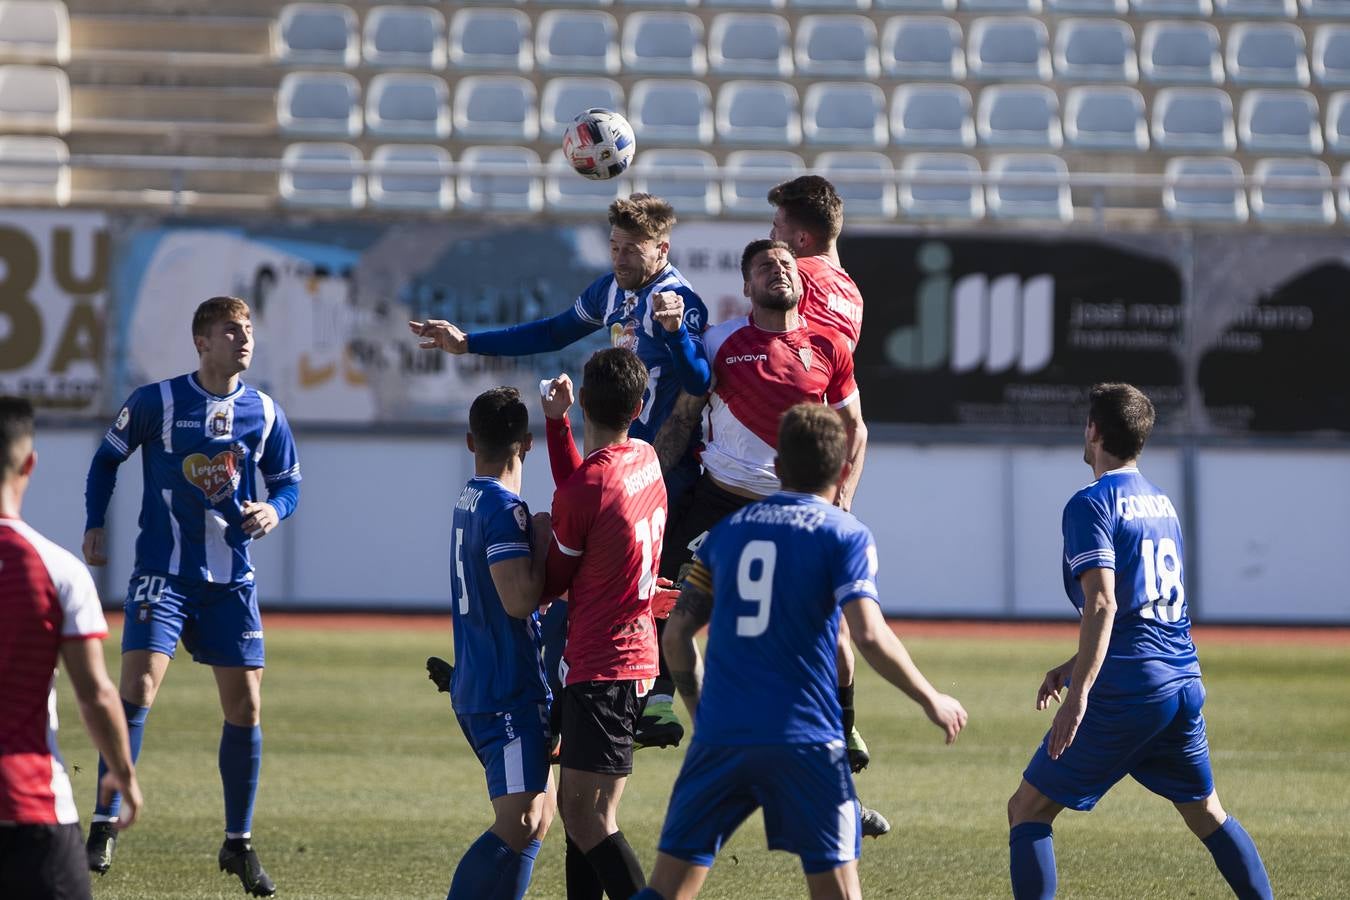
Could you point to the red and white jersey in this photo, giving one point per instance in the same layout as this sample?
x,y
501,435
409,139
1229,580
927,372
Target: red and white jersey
x,y
830,299
757,375
46,597
608,519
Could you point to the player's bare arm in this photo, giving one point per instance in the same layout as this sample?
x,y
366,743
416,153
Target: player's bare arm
x,y
668,310
887,655
96,547
857,451
101,710
1054,683
520,581
693,610
673,438
260,518
1094,636
438,334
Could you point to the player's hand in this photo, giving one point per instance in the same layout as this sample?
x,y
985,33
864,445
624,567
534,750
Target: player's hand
x,y
1055,681
259,518
1067,719
947,713
663,600
95,547
438,334
668,309
130,790
557,396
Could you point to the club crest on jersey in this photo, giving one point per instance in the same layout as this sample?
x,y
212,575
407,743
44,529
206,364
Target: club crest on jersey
x,y
806,356
521,518
215,476
123,418
221,422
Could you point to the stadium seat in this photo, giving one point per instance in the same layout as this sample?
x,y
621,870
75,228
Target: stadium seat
x,y
1001,6
843,112
1343,193
35,31
566,97
1329,9
660,172
1181,53
1338,123
840,5
865,181
750,173
664,43
1279,122
316,34
340,186
961,198
43,177
1255,9
757,44
1267,53
747,4
1105,118
390,189
671,112
1147,9
1044,202
758,112
507,187
319,104
495,106
1310,205
932,115
577,40
411,37
34,98
1193,119
1088,7
659,2
1331,55
916,5
1095,50
1186,201
923,47
1004,49
566,191
1019,116
408,105
837,47
496,40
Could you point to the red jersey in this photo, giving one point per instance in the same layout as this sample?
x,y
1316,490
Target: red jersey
x,y
830,300
757,375
46,597
609,514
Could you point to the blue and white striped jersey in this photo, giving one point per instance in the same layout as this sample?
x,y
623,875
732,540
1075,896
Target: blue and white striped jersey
x,y
200,454
498,658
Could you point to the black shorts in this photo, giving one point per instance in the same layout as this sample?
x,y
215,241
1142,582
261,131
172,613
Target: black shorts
x,y
43,862
698,510
598,719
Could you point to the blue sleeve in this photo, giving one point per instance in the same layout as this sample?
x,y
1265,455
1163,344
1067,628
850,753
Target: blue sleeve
x,y
855,566
1087,535
134,423
691,360
541,336
284,498
506,534
280,465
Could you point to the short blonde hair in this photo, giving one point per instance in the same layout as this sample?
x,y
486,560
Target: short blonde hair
x,y
644,214
217,309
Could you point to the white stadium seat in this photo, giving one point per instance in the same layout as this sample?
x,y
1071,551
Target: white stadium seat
x,y
390,189
1003,49
1011,115
1181,53
1267,53
1193,119
1185,200
671,112
36,31
411,37
1088,7
495,107
929,47
1331,55
837,47
1338,123
566,191
1307,205
865,181
839,5
1255,9
845,112
1095,50
1280,122
1328,9
1146,9
564,98
758,112
34,98
932,115
319,104
34,169
1001,6
1105,118
1041,201
751,173
683,177
961,198
577,40
916,5
495,40
757,44
340,185
316,34
664,43
508,187
408,105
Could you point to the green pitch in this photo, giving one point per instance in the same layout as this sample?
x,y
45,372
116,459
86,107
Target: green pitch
x,y
369,790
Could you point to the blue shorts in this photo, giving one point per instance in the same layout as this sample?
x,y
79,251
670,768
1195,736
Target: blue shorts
x,y
1161,745
513,747
805,790
219,624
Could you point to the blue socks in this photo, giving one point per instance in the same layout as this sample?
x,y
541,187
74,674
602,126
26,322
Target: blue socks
x,y
647,894
1239,862
240,760
516,873
135,731
483,868
1031,861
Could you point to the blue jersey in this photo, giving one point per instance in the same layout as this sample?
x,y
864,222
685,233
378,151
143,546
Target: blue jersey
x,y
200,454
780,571
1123,522
498,658
627,316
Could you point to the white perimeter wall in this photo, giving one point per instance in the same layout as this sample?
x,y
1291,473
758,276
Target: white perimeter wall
x,y
962,530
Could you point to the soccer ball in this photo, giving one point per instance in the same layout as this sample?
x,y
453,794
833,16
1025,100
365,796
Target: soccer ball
x,y
599,144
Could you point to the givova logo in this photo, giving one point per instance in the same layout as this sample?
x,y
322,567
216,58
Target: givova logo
x,y
975,321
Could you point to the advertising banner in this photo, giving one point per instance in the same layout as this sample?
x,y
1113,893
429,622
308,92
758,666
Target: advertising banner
x,y
54,269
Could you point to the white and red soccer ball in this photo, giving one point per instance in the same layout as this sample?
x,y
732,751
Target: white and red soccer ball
x,y
599,144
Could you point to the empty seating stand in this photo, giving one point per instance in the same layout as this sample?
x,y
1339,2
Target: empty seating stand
x,y
923,47
34,99
865,181
566,192
34,169
390,188
577,40
682,177
495,107
932,115
316,34
319,104
671,111
751,173
837,47
504,184
565,97
1309,201
410,37
845,113
925,194
338,185
754,44
35,31
664,43
1105,118
1186,198
758,112
491,40
408,105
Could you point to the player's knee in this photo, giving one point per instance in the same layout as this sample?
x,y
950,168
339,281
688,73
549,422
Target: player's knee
x,y
137,689
1203,817
244,711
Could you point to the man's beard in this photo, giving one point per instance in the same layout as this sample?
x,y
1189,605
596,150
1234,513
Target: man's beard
x,y
778,302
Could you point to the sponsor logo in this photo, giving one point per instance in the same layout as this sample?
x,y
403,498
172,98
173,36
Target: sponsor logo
x,y
216,476
746,357
251,636
693,320
187,423
123,418
624,333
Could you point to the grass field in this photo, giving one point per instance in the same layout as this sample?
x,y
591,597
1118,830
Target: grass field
x,y
369,789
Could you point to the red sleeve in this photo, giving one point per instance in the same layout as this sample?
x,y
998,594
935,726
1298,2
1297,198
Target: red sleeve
x,y
574,506
563,455
842,387
558,572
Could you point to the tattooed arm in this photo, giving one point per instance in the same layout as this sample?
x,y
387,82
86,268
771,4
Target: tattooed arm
x,y
673,438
